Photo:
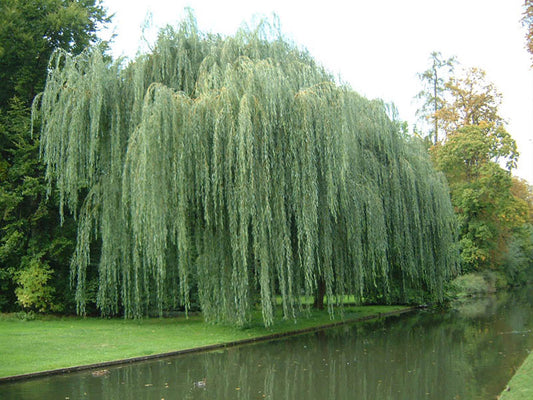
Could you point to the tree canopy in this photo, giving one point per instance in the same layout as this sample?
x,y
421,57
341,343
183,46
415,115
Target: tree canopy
x,y
30,30
237,170
481,193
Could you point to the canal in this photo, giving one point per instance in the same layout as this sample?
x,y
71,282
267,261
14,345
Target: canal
x,y
468,352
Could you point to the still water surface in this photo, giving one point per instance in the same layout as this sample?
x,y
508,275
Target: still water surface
x,y
468,353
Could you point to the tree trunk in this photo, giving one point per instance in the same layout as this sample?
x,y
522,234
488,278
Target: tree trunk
x,y
320,293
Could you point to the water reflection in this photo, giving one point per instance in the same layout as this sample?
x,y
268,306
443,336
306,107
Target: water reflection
x,y
469,353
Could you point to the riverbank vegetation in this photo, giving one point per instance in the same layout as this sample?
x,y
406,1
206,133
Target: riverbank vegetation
x,y
72,341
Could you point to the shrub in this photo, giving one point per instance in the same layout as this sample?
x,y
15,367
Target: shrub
x,y
470,284
33,291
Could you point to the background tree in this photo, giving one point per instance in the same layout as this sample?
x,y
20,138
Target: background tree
x,y
33,247
434,80
31,30
518,258
521,189
481,193
477,158
527,21
471,100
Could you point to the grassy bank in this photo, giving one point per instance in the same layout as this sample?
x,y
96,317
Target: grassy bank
x,y
47,343
520,387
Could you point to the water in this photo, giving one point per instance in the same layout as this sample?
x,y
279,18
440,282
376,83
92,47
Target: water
x,y
468,353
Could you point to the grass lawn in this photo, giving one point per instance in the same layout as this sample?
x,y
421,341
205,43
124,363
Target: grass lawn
x,y
520,386
58,342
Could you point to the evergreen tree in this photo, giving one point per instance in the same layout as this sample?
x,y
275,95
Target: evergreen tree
x,y
34,249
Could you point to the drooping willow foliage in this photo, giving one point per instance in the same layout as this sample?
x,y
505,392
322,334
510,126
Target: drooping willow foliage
x,y
238,169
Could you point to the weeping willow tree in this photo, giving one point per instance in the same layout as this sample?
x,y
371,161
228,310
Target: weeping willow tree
x,y
238,169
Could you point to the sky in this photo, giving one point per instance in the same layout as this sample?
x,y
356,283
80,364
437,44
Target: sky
x,y
377,47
